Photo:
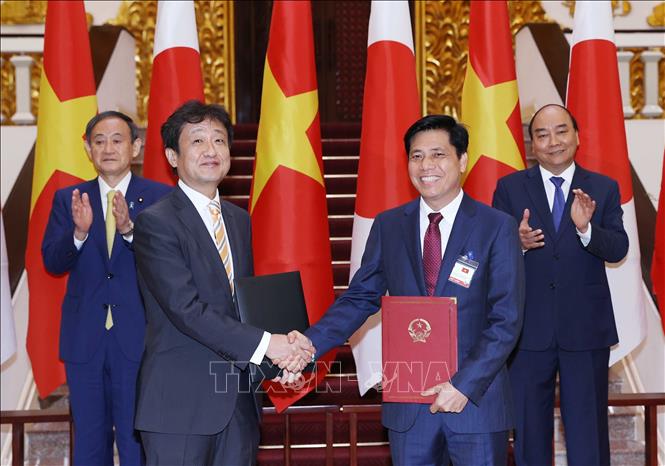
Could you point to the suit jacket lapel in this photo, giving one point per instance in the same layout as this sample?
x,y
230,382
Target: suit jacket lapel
x,y
411,235
463,225
98,227
192,221
536,191
133,190
234,240
579,181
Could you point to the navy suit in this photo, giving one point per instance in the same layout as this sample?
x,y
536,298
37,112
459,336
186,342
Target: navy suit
x,y
489,311
101,364
568,322
194,381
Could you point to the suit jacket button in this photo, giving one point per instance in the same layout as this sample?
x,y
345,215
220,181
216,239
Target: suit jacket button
x,y
552,286
109,276
556,257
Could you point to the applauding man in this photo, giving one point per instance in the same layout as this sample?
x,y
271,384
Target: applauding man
x,y
196,403
570,225
89,235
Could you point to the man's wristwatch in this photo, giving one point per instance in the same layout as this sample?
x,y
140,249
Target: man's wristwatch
x,y
130,231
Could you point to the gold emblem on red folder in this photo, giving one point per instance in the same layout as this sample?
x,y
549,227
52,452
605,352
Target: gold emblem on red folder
x,y
419,329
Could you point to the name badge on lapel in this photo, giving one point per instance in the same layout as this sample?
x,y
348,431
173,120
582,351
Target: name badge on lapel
x,y
463,270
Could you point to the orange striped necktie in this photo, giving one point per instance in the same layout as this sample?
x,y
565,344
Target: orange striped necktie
x,y
221,241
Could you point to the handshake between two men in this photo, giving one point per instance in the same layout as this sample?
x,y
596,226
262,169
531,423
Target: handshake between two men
x,y
292,353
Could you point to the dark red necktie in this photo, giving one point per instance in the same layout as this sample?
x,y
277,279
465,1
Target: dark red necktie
x,y
432,252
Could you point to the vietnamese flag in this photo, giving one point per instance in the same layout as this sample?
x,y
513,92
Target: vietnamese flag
x,y
594,98
288,196
658,264
176,78
391,104
67,101
490,103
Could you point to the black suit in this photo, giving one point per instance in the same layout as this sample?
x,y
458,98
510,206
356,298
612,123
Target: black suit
x,y
194,371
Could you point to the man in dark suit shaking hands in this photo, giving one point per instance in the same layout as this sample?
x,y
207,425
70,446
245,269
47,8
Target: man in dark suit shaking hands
x,y
412,251
196,404
570,225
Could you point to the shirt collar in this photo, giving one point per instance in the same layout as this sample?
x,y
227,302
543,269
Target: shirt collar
x,y
449,211
567,174
122,186
199,200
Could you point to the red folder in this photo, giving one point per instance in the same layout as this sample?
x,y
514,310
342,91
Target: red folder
x,y
419,346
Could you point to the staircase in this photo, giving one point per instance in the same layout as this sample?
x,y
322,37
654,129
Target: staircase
x,y
341,145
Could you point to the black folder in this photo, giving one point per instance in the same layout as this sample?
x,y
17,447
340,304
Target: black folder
x,y
274,303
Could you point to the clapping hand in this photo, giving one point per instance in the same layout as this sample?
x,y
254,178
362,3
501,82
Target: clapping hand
x,y
582,210
529,237
121,213
81,214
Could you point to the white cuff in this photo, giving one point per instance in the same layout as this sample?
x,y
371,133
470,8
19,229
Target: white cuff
x,y
79,242
261,350
585,237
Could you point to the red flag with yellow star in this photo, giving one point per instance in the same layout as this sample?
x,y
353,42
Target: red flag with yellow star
x,y
288,199
490,103
67,100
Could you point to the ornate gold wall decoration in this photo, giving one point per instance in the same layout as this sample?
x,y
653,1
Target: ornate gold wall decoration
x,y
139,19
8,95
636,81
619,7
216,34
523,12
657,16
35,80
8,86
23,12
442,34
215,28
444,51
27,12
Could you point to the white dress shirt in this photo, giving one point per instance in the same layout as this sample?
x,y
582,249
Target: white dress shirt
x,y
449,213
104,189
567,176
201,203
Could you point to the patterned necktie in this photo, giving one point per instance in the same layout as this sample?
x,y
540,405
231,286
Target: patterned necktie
x,y
559,201
221,241
110,236
432,252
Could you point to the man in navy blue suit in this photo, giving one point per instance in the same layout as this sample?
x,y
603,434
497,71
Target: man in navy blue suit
x,y
570,225
89,235
469,421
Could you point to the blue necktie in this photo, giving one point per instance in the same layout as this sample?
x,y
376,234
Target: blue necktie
x,y
559,201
